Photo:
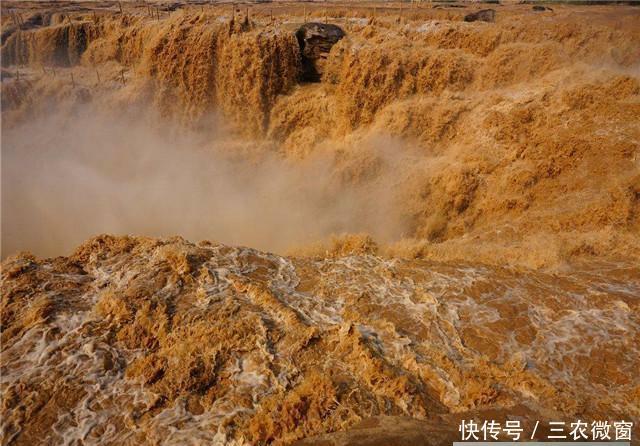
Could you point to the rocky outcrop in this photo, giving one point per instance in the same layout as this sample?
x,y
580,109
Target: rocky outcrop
x,y
316,40
484,15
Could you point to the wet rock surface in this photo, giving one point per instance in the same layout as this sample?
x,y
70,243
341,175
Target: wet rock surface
x,y
316,40
484,15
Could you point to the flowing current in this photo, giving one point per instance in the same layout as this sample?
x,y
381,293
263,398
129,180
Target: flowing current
x,y
444,225
163,341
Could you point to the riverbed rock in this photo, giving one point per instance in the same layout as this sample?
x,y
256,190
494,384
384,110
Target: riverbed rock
x,y
484,15
315,40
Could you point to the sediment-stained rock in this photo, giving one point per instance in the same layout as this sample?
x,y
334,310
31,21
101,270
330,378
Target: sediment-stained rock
x,y
316,40
484,15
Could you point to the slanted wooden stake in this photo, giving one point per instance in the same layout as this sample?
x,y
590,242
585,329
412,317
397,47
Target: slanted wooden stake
x,y
120,7
122,76
73,81
98,76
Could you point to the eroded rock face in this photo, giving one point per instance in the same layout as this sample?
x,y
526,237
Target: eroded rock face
x,y
484,15
316,40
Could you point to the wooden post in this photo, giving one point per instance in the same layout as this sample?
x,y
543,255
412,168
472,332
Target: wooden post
x,y
95,17
233,12
122,76
73,81
17,75
98,76
120,6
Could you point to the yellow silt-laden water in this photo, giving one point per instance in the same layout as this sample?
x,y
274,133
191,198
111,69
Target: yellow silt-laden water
x,y
416,221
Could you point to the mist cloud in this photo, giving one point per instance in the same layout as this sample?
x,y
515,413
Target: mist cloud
x,y
66,179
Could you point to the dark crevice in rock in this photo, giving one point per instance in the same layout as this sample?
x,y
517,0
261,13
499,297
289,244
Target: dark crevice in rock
x,y
316,40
